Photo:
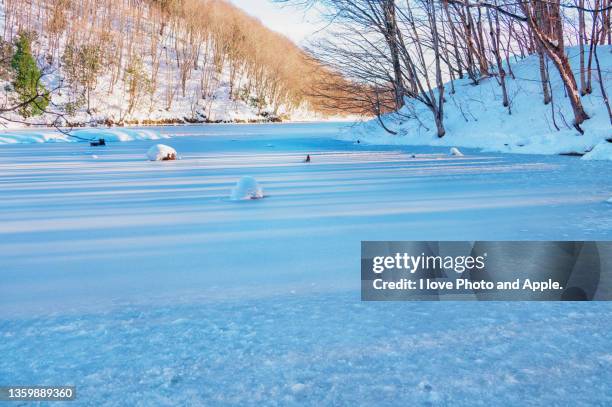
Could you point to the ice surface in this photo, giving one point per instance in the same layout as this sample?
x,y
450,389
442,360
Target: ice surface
x,y
63,212
326,349
160,152
246,188
144,285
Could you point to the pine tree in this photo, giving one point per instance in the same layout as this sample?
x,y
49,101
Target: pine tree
x,y
31,92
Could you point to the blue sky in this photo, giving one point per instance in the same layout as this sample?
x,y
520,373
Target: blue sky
x,y
292,22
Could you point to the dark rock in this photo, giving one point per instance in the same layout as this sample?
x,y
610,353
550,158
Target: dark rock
x,y
99,142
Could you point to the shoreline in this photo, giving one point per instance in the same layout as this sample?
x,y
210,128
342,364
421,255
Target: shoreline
x,y
102,125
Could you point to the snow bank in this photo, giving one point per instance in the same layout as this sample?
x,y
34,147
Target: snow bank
x,y
161,152
119,134
54,136
246,188
602,151
474,116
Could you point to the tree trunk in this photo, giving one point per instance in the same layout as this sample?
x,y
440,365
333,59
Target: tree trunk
x,y
549,34
439,110
581,37
439,124
391,37
604,94
593,43
495,43
544,77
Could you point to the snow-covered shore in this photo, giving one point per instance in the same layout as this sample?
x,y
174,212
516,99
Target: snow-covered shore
x,y
28,136
475,117
20,134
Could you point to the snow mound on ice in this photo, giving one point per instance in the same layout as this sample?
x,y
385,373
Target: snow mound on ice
x,y
602,151
455,151
609,201
246,188
298,387
161,152
53,136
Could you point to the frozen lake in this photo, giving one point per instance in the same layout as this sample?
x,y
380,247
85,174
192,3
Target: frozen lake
x,y
123,275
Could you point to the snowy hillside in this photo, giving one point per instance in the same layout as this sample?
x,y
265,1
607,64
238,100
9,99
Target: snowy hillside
x,y
203,62
474,116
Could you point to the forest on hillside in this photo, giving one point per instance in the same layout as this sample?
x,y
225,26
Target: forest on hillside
x,y
128,61
409,53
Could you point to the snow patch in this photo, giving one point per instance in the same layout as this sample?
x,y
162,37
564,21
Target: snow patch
x,y
298,387
161,152
246,188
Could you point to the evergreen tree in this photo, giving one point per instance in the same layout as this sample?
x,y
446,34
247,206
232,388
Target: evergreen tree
x,y
27,80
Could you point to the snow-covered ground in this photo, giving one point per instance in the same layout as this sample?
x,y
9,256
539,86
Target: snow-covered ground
x,y
206,96
475,117
143,283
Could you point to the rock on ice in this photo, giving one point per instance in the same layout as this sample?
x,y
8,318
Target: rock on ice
x,y
161,152
247,188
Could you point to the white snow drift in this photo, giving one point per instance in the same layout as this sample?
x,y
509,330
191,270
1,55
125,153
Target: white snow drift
x,y
455,151
602,151
161,152
246,188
